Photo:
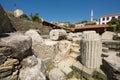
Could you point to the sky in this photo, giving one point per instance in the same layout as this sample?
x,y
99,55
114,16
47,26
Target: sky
x,y
64,10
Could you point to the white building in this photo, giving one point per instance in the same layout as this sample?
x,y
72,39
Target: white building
x,y
78,25
62,24
106,18
18,12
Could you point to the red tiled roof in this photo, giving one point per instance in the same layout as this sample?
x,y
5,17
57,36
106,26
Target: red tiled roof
x,y
112,15
92,26
77,28
54,25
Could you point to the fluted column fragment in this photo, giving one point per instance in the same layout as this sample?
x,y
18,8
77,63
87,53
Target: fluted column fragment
x,y
91,49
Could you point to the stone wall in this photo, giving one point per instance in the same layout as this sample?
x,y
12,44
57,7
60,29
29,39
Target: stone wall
x,y
5,24
17,60
13,49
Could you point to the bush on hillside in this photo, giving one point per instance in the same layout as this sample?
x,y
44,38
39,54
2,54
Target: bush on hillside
x,y
36,18
24,16
115,22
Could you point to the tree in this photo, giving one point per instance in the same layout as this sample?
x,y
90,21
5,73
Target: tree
x,y
24,16
71,25
84,21
115,22
36,17
91,23
78,23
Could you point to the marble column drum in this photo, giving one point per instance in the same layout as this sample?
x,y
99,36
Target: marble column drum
x,y
91,49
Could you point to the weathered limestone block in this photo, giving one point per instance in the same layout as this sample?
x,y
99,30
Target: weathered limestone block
x,y
2,58
5,68
111,44
35,35
111,66
56,74
5,71
91,49
44,49
9,69
17,45
48,49
14,76
5,50
65,64
89,73
75,37
86,72
64,48
107,35
29,61
33,69
5,24
57,34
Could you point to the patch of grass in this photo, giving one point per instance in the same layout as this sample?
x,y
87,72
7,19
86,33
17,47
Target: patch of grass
x,y
74,73
97,77
50,67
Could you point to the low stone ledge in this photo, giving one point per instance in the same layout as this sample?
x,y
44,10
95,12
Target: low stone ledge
x,y
89,74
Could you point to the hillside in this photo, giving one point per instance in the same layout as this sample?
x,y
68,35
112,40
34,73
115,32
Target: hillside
x,y
24,25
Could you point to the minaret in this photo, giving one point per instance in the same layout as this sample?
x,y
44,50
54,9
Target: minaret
x,y
91,19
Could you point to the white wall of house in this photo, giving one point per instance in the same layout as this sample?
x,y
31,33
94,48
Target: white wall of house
x,y
105,20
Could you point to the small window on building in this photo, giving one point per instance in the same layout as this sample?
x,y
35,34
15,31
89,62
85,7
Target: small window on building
x,y
113,17
103,19
118,17
107,18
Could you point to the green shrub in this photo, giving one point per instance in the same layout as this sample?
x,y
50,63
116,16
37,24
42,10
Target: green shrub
x,y
36,18
24,16
115,22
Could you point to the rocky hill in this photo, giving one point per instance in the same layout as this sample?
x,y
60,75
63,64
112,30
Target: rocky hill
x,y
5,24
24,25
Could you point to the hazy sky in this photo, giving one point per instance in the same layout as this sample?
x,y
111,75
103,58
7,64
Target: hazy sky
x,y
64,10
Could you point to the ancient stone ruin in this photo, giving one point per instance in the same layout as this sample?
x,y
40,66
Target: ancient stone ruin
x,y
91,49
57,34
63,56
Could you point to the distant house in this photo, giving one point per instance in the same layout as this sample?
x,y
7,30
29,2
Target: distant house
x,y
106,18
18,12
78,25
62,24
